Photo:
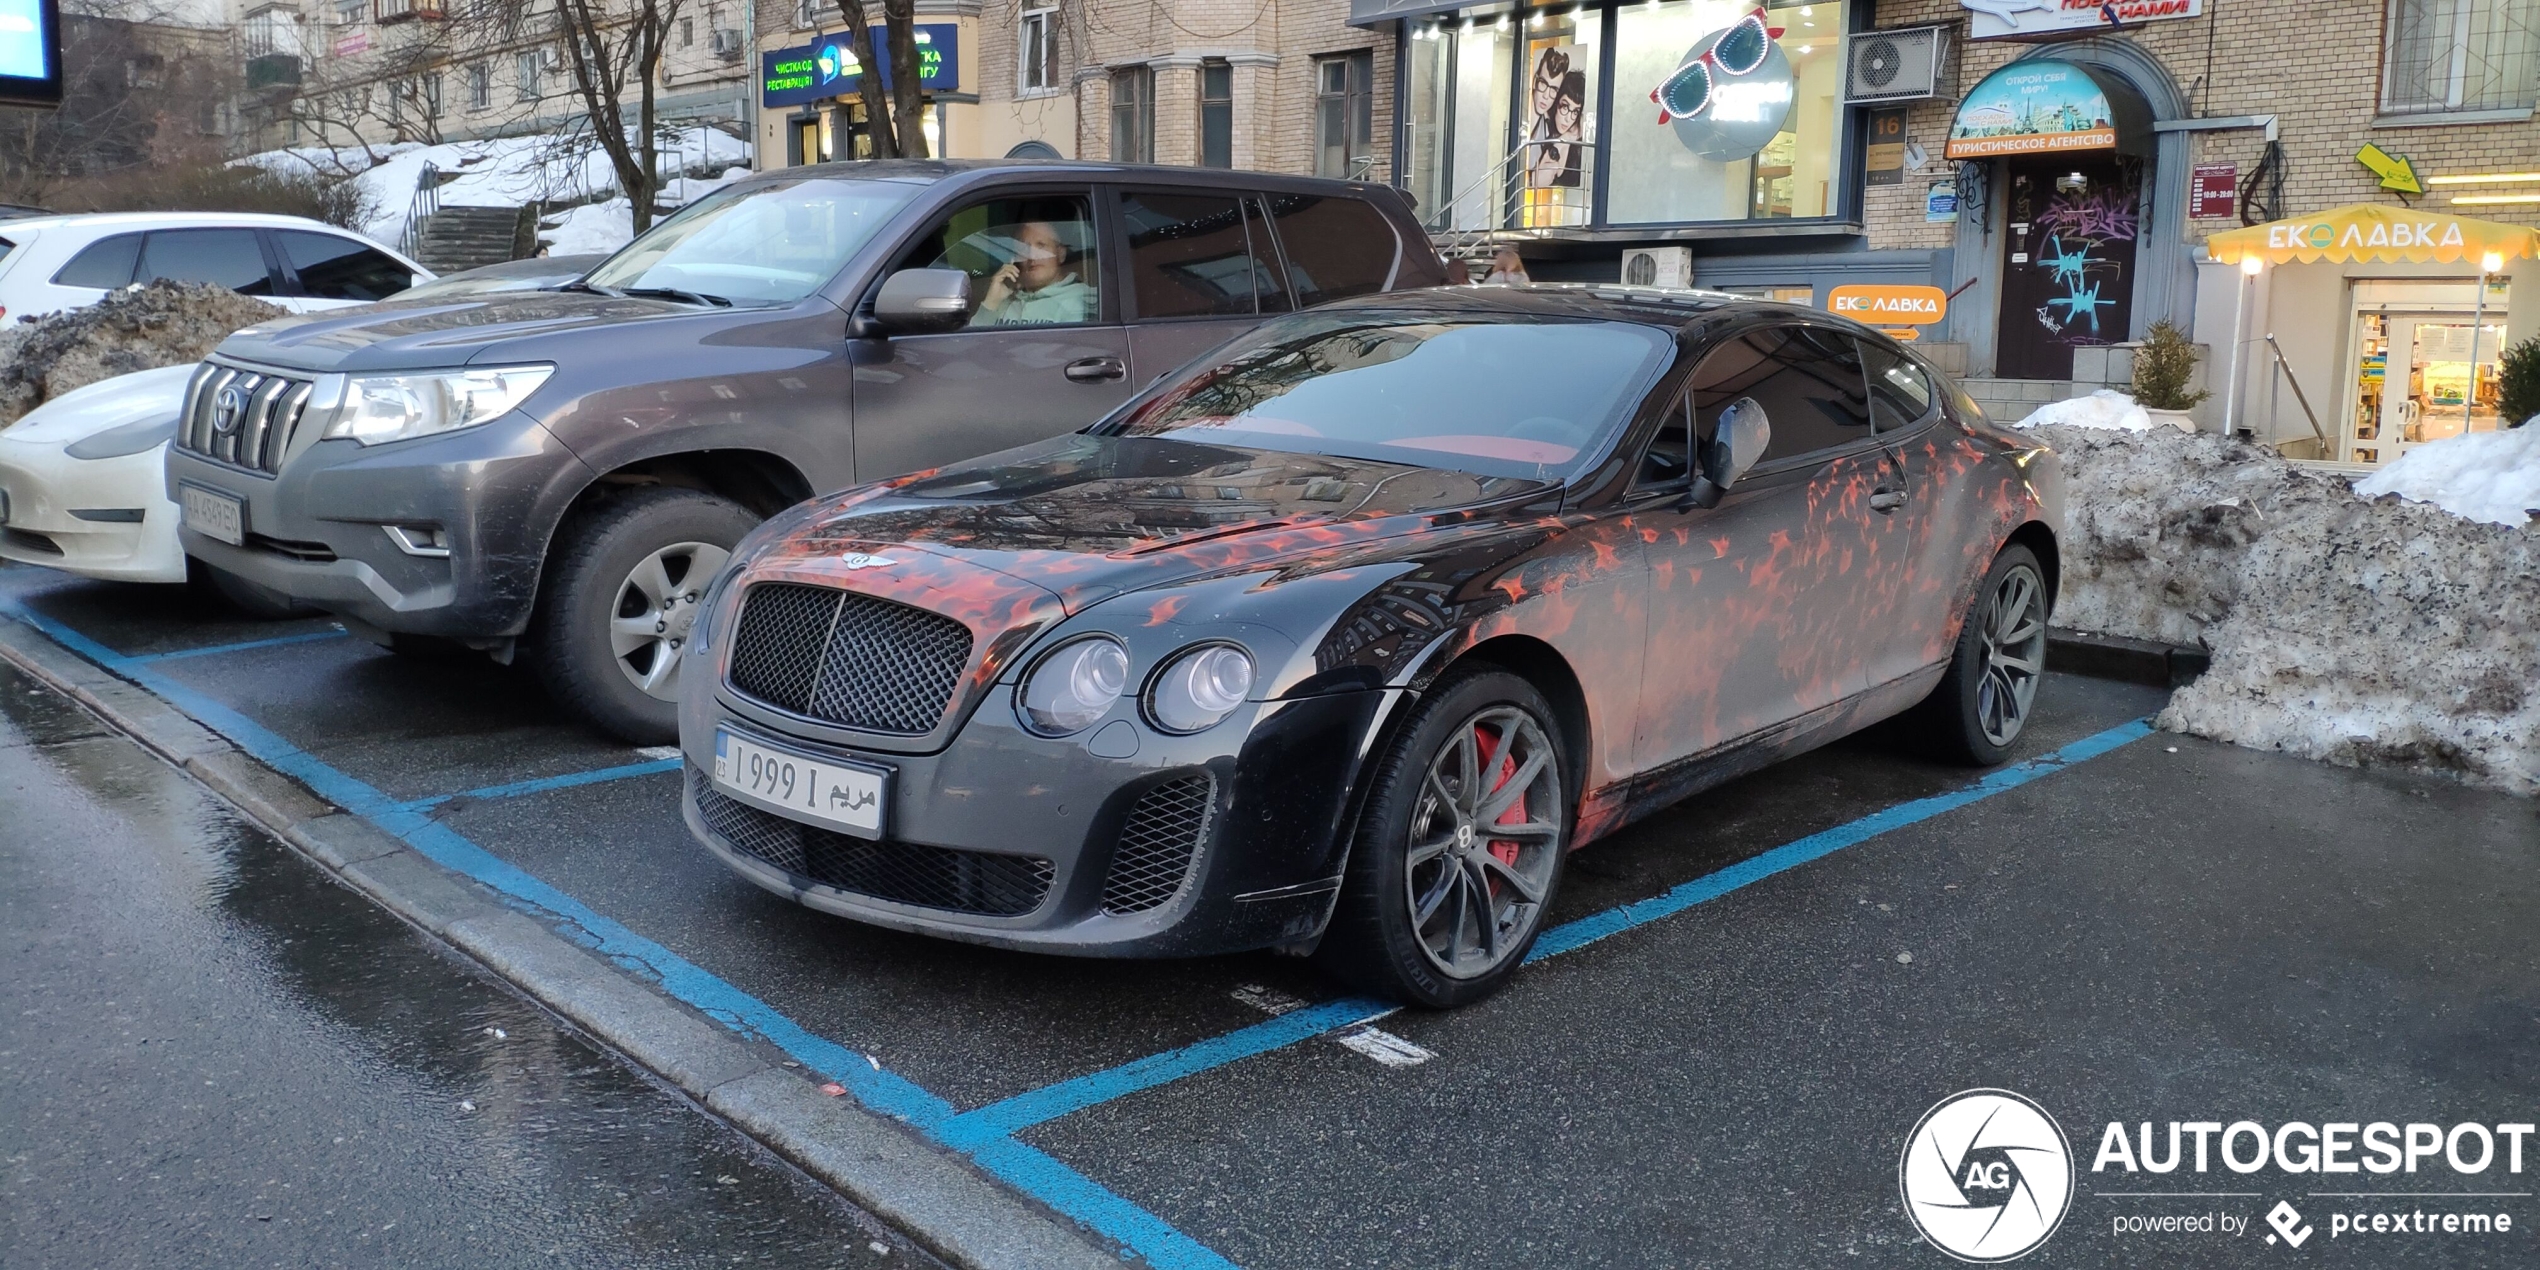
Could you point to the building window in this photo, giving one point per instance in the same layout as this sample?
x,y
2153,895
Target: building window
x,y
687,32
807,14
2461,55
351,12
1344,114
480,86
1216,114
432,95
1133,115
1036,46
527,70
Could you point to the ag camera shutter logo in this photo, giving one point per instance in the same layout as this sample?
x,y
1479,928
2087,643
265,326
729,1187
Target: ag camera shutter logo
x,y
1986,1175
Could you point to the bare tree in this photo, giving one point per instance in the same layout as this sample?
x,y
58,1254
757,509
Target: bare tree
x,y
877,112
908,99
611,58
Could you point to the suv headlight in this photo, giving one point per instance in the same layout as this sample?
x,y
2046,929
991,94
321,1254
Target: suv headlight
x,y
1199,688
1074,686
381,408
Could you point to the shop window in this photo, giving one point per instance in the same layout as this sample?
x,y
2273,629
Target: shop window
x,y
2461,55
1555,172
1192,255
1133,115
1036,47
1719,163
1216,114
1431,70
1344,114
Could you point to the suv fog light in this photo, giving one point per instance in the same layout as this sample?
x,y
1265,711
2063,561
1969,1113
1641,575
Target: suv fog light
x,y
1074,686
1200,688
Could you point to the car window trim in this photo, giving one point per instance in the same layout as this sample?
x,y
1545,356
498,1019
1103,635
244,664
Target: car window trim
x,y
1106,312
1128,293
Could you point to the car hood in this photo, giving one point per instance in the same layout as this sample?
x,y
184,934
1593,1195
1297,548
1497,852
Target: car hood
x,y
393,336
1083,518
146,396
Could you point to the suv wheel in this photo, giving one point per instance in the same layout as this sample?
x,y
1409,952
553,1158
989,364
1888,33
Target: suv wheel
x,y
621,592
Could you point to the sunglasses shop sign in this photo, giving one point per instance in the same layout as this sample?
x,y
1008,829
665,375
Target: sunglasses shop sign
x,y
1730,93
2012,19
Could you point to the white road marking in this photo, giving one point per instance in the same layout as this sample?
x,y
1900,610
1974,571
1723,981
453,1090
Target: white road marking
x,y
1375,1043
1266,1000
658,752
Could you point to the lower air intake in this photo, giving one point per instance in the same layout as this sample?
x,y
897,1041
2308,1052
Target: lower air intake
x,y
1157,844
976,882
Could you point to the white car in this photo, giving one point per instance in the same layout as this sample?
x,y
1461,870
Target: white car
x,y
83,484
52,263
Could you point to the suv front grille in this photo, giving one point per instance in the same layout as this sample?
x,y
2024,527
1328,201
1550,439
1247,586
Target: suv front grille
x,y
1157,843
849,659
268,411
928,877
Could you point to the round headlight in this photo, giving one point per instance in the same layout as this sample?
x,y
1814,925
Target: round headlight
x,y
1075,686
1200,688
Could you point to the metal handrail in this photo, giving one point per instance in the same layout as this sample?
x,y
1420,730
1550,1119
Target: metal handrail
x,y
2298,395
1453,241
426,201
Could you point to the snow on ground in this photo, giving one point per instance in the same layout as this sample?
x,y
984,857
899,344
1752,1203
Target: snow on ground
x,y
605,227
2365,632
495,172
2106,408
2489,476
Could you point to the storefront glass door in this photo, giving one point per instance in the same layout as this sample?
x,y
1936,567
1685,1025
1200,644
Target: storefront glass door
x,y
2420,378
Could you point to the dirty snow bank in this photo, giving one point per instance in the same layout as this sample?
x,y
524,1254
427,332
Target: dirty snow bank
x,y
138,328
2362,632
2106,408
2489,476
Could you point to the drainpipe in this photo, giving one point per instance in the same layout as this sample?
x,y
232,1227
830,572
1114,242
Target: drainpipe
x,y
750,63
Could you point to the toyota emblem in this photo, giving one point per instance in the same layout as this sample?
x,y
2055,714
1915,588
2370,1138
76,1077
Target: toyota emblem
x,y
226,408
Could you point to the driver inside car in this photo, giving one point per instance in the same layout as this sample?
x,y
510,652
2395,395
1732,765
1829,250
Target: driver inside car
x,y
1036,288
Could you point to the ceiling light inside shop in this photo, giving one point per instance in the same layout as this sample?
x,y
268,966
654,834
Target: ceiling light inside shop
x,y
2487,178
2493,200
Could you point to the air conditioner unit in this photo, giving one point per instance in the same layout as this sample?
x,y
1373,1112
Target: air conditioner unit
x,y
1658,267
727,44
1900,65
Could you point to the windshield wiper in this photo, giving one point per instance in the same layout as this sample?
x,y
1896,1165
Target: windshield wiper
x,y
674,293
587,289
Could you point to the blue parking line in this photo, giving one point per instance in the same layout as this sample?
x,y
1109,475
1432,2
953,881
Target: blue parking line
x,y
541,785
240,647
1028,1170
1068,1096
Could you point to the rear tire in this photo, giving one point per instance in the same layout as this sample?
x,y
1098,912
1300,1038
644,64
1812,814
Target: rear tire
x,y
621,591
1460,852
1984,702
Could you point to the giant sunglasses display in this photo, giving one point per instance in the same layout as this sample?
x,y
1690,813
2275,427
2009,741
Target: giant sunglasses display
x,y
1739,51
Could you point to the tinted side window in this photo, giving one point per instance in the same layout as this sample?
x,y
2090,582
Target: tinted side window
x,y
1901,394
223,257
1669,458
1190,256
105,263
333,268
1808,380
1030,259
1336,247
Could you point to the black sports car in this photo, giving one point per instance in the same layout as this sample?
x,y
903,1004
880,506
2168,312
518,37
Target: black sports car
x,y
1342,640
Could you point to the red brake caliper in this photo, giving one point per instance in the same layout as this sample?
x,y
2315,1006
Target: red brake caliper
x,y
1502,849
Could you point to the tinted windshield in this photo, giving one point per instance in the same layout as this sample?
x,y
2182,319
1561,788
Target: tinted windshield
x,y
760,244
1525,397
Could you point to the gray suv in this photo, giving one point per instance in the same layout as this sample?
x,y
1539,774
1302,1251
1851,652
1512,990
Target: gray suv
x,y
557,474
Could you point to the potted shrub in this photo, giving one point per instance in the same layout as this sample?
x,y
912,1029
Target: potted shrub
x,y
2164,364
2518,383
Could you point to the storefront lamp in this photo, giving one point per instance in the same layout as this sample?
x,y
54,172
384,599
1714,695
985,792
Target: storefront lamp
x,y
2492,262
2253,264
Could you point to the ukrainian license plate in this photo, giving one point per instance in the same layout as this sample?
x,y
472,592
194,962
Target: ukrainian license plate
x,y
214,514
846,797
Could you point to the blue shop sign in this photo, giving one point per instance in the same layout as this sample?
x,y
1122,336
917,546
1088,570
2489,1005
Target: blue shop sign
x,y
827,67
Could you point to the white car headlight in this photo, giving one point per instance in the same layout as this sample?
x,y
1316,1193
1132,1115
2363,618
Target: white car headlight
x,y
1200,688
1075,686
381,408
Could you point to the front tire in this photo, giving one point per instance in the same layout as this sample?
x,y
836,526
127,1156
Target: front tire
x,y
1984,702
619,598
1460,852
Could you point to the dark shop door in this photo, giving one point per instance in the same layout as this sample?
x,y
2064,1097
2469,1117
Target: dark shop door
x,y
2068,275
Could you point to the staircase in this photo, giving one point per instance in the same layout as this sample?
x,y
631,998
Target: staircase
x,y
452,239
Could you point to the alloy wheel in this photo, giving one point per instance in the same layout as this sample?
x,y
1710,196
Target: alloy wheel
x,y
656,606
1486,836
2014,639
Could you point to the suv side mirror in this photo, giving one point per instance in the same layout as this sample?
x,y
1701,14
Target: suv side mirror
x,y
1738,441
922,301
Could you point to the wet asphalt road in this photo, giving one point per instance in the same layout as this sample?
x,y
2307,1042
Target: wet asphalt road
x,y
2172,930
214,1055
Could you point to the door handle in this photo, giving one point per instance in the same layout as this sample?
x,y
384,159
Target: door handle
x,y
1886,498
1094,370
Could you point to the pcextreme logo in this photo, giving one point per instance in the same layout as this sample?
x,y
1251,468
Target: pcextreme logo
x,y
1986,1175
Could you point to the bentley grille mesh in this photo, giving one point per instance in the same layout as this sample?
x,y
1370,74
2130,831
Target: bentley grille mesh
x,y
848,659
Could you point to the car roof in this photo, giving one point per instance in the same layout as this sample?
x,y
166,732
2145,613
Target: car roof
x,y
111,221
1670,307
928,171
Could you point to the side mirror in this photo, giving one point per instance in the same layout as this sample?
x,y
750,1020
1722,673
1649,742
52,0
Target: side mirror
x,y
1737,442
921,301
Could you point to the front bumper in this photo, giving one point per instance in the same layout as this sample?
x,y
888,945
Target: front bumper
x,y
1013,840
318,531
44,487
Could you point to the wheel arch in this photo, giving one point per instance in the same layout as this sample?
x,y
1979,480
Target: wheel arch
x,y
2040,540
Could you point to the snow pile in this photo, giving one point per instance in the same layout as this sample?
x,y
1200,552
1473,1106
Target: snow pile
x,y
2362,632
2106,408
566,167
2489,476
604,227
138,328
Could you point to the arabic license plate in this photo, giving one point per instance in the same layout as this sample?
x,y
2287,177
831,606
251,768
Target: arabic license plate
x,y
846,797
214,514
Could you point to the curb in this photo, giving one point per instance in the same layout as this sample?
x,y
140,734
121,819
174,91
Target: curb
x,y
2139,661
929,1194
